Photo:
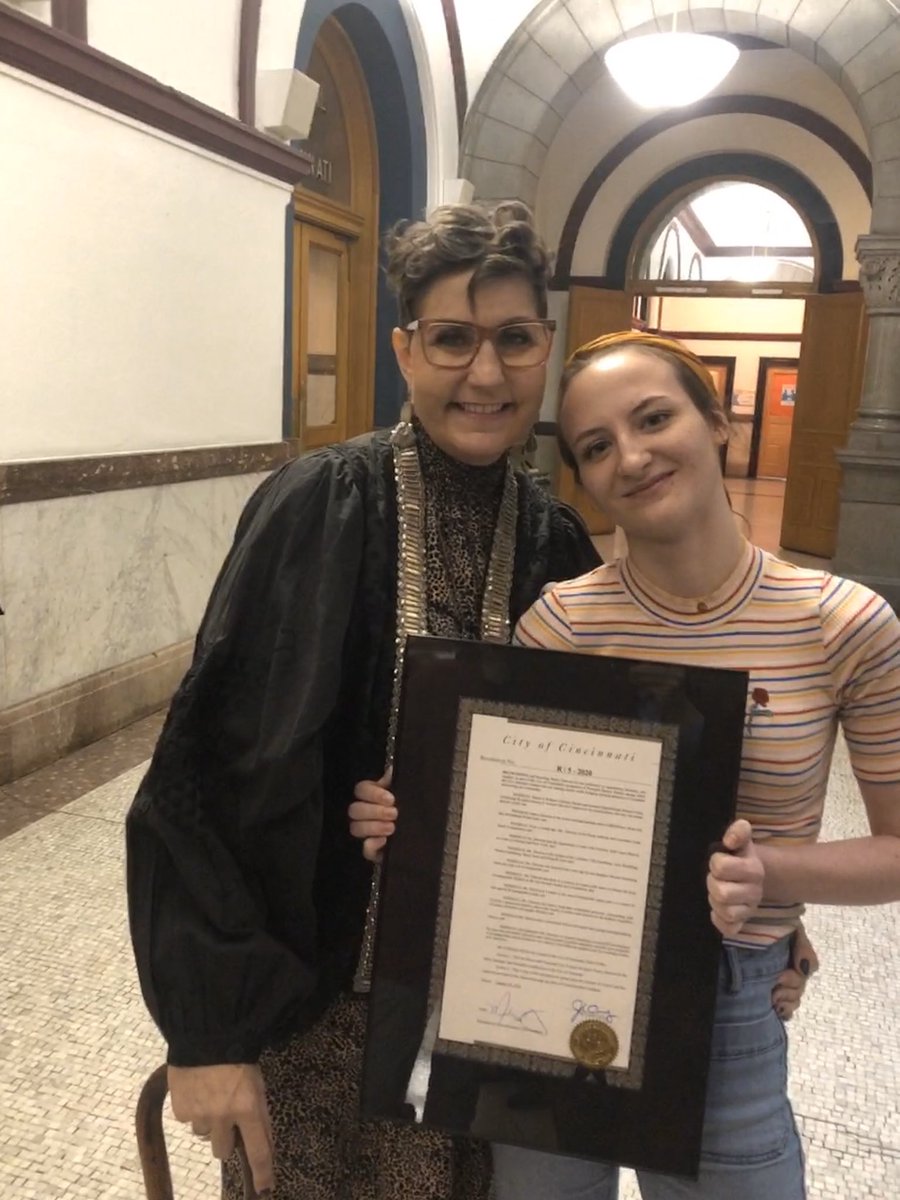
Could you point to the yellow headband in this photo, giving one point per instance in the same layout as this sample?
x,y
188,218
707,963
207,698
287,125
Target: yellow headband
x,y
649,341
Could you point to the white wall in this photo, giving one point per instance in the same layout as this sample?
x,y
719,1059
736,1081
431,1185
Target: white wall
x,y
40,10
191,45
279,25
149,282
762,314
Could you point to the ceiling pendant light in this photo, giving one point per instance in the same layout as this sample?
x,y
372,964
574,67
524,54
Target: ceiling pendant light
x,y
669,70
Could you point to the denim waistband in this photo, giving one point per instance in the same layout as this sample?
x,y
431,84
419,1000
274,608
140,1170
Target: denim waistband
x,y
740,964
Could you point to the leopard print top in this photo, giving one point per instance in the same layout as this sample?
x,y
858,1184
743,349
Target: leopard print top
x,y
461,509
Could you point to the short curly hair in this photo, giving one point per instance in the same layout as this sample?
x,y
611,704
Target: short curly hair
x,y
495,243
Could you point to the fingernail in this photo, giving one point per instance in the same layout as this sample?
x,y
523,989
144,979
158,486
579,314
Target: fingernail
x,y
780,1010
804,966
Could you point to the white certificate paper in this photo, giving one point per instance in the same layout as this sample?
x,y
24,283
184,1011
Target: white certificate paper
x,y
550,892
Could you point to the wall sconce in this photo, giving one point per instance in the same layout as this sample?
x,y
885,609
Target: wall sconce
x,y
285,103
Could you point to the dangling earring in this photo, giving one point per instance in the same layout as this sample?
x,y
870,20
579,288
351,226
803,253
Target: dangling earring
x,y
524,455
403,433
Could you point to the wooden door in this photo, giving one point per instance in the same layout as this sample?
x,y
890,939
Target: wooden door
x,y
721,367
335,253
592,312
829,383
778,388
322,337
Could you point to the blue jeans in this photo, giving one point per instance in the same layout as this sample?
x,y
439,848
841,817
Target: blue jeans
x,y
750,1150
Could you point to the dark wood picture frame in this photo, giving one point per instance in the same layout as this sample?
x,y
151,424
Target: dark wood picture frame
x,y
657,1122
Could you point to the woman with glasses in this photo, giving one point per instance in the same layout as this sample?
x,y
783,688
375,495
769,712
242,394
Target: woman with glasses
x,y
248,897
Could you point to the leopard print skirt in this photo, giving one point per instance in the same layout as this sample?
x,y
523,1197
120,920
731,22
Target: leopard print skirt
x,y
323,1152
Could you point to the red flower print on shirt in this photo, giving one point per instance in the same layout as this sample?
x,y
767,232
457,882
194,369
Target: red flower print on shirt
x,y
759,707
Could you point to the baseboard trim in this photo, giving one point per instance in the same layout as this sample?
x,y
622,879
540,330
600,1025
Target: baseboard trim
x,y
39,731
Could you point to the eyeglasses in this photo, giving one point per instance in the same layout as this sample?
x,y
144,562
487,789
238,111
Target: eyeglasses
x,y
455,344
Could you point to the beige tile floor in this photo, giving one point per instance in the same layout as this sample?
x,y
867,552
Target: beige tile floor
x,y
75,1041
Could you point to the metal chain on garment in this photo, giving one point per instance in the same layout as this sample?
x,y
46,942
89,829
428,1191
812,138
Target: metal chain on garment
x,y
412,609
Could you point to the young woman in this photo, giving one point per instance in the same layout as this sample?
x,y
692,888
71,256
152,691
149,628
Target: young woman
x,y
640,423
247,896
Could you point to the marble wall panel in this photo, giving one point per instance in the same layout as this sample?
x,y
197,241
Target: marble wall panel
x,y
91,582
3,620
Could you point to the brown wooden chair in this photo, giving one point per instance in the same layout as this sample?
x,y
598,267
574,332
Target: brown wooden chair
x,y
151,1141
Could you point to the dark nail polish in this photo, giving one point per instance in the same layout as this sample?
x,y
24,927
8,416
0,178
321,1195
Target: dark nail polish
x,y
804,966
780,1010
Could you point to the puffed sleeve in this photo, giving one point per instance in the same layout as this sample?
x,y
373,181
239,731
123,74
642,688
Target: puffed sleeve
x,y
572,551
223,834
552,544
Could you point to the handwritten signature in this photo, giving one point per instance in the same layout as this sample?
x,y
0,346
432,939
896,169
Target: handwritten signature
x,y
582,1011
503,1013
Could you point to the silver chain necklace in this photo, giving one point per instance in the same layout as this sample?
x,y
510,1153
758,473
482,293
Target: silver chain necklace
x,y
412,609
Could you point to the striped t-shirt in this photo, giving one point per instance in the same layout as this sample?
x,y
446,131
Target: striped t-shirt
x,y
818,649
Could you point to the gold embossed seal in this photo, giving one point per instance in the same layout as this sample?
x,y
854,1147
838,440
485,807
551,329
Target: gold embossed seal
x,y
593,1044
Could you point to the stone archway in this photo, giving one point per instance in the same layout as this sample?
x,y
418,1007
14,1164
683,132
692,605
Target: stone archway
x,y
792,184
557,54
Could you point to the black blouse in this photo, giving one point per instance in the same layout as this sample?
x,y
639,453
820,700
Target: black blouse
x,y
247,894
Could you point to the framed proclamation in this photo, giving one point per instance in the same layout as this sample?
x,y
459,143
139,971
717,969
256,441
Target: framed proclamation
x,y
545,966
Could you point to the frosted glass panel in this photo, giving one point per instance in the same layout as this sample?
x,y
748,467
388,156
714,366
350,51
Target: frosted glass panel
x,y
322,311
321,402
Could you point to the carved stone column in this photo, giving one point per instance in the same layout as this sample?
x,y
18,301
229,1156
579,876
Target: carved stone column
x,y
868,546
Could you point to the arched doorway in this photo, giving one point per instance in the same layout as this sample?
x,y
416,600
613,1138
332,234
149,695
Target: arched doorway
x,y
334,244
690,275
377,33
775,321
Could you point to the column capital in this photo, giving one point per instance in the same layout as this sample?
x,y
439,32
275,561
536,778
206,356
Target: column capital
x,y
879,272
